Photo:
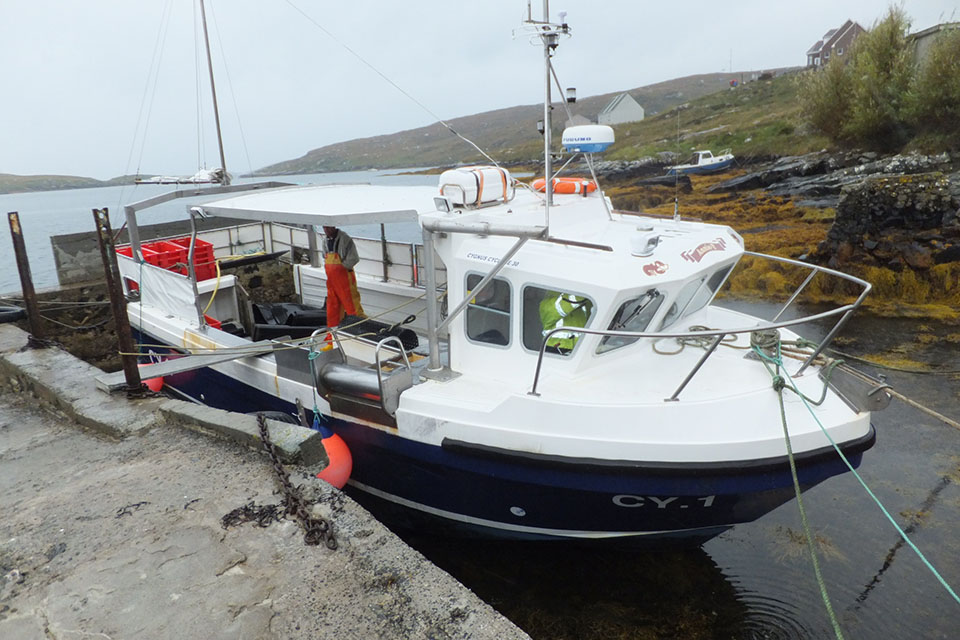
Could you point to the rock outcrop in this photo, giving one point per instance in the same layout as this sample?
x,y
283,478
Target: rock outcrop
x,y
629,169
681,182
818,178
895,221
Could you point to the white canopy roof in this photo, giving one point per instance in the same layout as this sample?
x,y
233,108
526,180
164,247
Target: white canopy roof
x,y
332,205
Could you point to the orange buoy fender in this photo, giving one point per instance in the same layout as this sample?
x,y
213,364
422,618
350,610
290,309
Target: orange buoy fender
x,y
154,384
567,185
338,470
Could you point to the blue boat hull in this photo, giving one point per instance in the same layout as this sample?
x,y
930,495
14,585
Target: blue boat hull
x,y
700,170
467,490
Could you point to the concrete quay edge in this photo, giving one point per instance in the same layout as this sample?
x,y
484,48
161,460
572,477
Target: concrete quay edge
x,y
67,384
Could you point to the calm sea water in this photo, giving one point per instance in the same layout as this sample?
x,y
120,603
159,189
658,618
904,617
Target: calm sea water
x,y
50,213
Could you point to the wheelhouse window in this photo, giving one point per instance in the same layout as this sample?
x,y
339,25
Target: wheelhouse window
x,y
548,309
680,302
705,294
488,314
633,315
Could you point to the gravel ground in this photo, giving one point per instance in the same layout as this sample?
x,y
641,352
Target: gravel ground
x,y
101,538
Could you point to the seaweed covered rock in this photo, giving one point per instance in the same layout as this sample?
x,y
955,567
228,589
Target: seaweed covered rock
x,y
893,221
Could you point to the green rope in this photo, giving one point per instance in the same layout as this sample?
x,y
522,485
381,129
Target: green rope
x,y
873,496
313,355
779,383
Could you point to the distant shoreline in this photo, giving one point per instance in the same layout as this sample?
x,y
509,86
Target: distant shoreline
x,y
10,184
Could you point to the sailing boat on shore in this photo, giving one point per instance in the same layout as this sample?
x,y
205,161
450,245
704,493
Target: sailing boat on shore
x,y
202,176
650,412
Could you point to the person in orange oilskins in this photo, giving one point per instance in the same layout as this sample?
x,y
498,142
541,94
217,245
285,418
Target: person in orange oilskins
x,y
341,258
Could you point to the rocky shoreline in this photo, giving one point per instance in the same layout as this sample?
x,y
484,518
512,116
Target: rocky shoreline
x,y
814,179
893,220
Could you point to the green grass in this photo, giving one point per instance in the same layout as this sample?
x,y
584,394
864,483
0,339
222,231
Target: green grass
x,y
509,134
756,119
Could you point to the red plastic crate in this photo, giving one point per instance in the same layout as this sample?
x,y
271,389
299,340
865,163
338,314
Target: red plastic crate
x,y
173,254
203,260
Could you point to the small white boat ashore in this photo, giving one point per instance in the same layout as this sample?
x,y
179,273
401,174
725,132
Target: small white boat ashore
x,y
703,162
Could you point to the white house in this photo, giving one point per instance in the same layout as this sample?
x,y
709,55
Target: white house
x,y
621,109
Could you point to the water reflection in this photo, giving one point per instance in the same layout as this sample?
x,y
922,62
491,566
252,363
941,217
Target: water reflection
x,y
916,520
562,590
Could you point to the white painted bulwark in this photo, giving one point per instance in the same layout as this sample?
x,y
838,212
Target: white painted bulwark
x,y
621,109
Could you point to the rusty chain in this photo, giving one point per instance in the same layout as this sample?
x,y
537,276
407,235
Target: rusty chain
x,y
316,530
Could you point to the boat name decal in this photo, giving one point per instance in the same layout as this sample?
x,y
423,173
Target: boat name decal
x,y
632,502
494,259
655,268
696,255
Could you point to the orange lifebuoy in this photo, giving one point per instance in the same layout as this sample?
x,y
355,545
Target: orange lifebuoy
x,y
567,185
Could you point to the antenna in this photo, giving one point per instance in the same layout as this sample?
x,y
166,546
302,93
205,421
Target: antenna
x,y
676,173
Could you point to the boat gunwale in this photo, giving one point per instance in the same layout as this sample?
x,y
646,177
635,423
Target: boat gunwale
x,y
660,468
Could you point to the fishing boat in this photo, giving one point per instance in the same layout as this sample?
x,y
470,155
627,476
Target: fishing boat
x,y
703,162
573,376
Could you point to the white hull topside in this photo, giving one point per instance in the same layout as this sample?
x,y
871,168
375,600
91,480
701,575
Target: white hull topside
x,y
727,413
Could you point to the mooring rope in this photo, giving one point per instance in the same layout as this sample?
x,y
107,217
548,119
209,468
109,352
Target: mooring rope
x,y
785,381
765,344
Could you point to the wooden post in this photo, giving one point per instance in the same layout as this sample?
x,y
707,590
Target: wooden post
x,y
386,255
118,303
37,333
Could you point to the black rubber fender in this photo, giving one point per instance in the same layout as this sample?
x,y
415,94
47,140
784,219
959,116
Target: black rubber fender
x,y
10,313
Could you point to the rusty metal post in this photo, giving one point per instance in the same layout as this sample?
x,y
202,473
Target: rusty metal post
x,y
37,332
111,272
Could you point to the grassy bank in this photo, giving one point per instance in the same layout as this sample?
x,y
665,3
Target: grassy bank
x,y
755,119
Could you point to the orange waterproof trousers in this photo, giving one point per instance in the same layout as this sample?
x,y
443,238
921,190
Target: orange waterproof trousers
x,y
342,294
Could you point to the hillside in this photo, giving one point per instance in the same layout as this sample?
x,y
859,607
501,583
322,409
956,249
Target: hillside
x,y
756,120
10,183
509,134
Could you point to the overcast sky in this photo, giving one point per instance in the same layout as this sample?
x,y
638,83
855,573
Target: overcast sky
x,y
74,74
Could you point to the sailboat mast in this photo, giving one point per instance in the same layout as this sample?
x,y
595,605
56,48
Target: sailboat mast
x,y
213,91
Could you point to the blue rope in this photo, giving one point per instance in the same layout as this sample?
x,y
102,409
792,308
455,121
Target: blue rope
x,y
902,533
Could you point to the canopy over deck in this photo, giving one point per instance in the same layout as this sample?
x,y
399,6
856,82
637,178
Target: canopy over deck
x,y
332,205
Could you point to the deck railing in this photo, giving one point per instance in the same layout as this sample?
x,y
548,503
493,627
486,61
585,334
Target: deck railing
x,y
843,311
391,260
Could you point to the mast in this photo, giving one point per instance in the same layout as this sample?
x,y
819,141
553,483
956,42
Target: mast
x,y
213,91
548,39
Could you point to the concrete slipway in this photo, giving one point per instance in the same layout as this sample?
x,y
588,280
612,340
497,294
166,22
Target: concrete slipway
x,y
110,526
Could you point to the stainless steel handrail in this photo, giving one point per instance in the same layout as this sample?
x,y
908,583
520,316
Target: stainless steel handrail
x,y
376,358
336,338
719,334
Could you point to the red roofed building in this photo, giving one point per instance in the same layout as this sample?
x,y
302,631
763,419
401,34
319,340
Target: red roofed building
x,y
834,44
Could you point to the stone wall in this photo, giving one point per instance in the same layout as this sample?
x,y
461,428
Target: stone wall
x,y
895,221
77,255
